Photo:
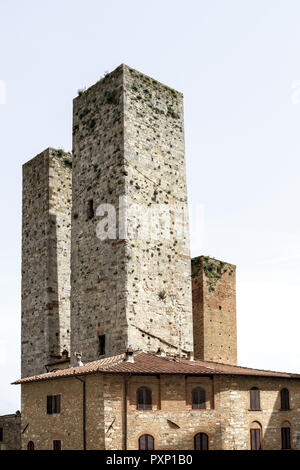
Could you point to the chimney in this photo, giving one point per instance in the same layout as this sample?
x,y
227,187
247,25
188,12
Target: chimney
x,y
160,352
129,355
65,354
190,356
78,356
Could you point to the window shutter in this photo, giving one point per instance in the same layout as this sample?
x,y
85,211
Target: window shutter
x,y
201,441
255,439
140,399
285,438
254,399
285,399
148,399
56,404
49,404
142,441
56,445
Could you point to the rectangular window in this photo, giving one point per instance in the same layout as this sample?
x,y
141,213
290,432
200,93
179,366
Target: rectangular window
x,y
56,445
255,439
101,344
1,434
285,438
53,404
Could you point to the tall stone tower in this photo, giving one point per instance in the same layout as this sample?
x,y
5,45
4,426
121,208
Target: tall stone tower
x,y
131,289
214,310
46,241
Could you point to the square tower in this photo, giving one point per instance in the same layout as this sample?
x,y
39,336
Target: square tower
x,y
46,244
214,310
132,289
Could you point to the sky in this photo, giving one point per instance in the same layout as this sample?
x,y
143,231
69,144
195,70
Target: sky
x,y
237,64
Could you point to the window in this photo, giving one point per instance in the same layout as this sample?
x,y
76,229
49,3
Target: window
x,y
255,437
254,399
286,438
1,434
146,442
53,404
144,398
201,441
90,209
30,445
56,445
285,399
198,398
101,339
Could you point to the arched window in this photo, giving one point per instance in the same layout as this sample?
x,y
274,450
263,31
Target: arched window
x,y
285,399
201,441
144,398
30,445
255,436
198,398
146,442
254,399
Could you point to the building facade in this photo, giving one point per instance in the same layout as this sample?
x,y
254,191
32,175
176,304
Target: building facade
x,y
127,343
174,401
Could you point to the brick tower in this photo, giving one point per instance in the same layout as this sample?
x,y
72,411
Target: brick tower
x,y
129,290
46,240
214,310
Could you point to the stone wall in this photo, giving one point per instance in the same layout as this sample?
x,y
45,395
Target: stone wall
x,y
132,288
214,310
11,431
173,423
46,239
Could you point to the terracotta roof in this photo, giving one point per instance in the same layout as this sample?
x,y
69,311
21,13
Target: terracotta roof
x,y
148,363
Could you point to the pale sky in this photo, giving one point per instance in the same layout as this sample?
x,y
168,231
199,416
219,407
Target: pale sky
x,y
236,61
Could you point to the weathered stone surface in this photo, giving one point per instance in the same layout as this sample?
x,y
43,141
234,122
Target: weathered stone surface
x,y
11,431
46,241
128,141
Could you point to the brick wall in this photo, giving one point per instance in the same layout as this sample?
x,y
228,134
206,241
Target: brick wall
x,y
172,422
214,310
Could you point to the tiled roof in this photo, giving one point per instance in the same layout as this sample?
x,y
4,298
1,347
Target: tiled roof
x,y
148,363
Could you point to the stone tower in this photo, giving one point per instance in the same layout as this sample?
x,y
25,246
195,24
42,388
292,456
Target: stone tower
x,y
46,240
131,289
214,310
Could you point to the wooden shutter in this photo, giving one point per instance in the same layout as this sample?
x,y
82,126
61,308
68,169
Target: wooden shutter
x,y
147,399
285,438
49,405
146,442
255,439
30,445
56,445
254,399
140,399
142,442
56,404
201,441
285,399
198,398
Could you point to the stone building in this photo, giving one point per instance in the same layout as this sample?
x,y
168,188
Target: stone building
x,y
10,431
113,286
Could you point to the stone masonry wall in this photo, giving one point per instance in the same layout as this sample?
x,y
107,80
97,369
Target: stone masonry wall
x,y
45,259
128,141
172,422
214,310
11,431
